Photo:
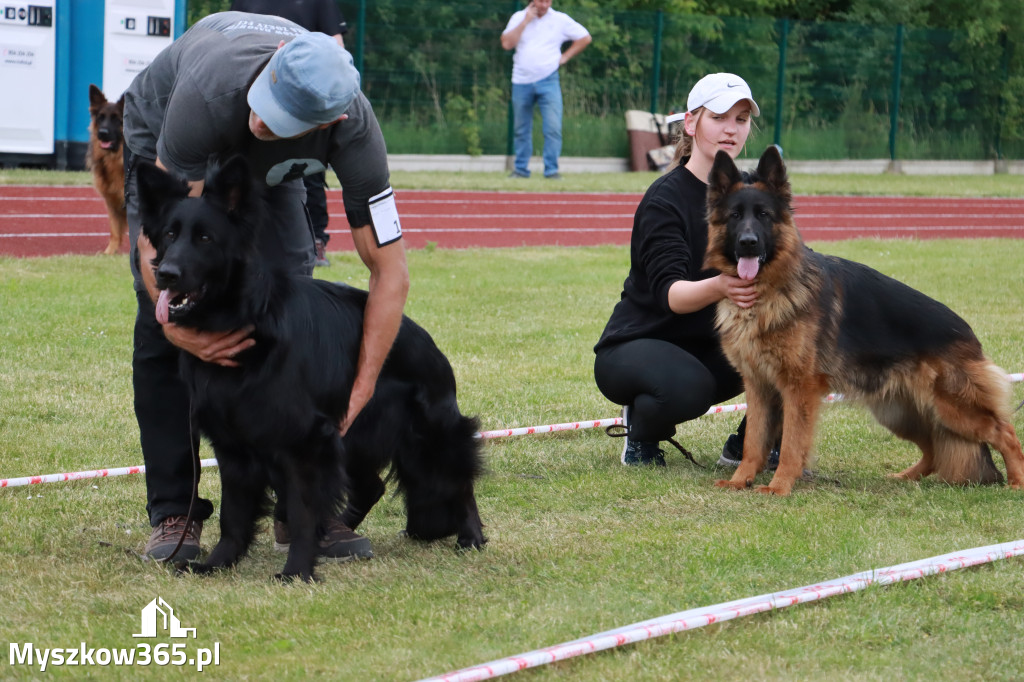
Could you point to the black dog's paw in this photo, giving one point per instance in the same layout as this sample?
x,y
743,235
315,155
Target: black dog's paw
x,y
289,578
470,543
195,568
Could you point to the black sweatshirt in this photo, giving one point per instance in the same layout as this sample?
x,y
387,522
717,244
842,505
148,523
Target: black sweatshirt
x,y
670,235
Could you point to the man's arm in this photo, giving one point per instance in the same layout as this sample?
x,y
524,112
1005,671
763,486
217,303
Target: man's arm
x,y
574,49
331,21
510,39
389,288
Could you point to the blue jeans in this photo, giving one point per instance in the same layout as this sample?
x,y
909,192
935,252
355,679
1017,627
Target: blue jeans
x,y
546,94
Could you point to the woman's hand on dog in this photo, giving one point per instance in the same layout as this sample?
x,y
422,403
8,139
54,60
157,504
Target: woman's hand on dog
x,y
217,347
739,291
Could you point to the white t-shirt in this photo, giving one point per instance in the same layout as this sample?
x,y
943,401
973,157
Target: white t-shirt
x,y
540,47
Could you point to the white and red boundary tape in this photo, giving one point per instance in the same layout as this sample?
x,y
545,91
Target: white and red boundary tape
x,y
719,613
81,475
486,435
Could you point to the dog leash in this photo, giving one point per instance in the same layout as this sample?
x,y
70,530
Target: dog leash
x,y
195,490
612,432
686,453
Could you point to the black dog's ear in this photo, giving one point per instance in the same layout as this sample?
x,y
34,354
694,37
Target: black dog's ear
x,y
229,183
722,177
157,190
772,171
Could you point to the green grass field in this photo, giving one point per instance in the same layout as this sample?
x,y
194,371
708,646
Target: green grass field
x,y
578,543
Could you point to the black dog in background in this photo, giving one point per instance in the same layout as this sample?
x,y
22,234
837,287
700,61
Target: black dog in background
x,y
273,421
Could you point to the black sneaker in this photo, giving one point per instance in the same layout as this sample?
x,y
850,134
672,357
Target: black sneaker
x,y
732,454
642,453
339,542
634,452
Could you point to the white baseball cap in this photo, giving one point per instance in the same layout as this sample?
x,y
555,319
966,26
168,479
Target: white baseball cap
x,y
719,92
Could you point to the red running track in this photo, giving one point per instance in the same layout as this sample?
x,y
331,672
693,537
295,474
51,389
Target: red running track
x,y
42,221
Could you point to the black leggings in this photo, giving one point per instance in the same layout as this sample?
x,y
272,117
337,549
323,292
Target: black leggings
x,y
663,384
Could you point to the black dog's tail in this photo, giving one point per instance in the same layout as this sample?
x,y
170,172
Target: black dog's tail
x,y
448,440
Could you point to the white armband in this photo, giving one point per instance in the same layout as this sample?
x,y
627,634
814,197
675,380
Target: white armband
x,y
384,217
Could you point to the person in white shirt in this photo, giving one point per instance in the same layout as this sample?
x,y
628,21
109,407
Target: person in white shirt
x,y
537,33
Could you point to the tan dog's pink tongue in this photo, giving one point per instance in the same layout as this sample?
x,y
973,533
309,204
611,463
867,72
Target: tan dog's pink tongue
x,y
162,305
747,268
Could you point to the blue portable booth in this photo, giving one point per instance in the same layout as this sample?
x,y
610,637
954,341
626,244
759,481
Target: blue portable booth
x,y
52,50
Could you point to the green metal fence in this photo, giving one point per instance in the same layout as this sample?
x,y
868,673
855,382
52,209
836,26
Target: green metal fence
x,y
439,80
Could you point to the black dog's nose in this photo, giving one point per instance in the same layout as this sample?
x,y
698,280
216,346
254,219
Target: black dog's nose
x,y
747,239
167,275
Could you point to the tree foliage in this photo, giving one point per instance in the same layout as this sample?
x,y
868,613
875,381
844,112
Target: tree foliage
x,y
440,65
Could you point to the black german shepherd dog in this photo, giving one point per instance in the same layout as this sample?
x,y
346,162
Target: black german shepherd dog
x,y
823,323
273,421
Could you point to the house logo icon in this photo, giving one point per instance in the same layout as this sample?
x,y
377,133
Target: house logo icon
x,y
159,613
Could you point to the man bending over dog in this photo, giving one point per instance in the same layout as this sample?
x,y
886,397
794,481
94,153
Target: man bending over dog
x,y
289,101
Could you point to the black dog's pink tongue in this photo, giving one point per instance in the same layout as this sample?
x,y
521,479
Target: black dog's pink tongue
x,y
162,306
747,268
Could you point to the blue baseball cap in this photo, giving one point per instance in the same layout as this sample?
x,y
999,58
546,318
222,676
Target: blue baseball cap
x,y
308,82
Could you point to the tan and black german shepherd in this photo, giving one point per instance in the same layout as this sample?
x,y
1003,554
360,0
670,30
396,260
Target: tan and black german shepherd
x,y
824,324
105,159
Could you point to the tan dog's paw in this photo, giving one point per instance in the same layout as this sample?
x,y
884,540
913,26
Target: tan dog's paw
x,y
776,488
735,485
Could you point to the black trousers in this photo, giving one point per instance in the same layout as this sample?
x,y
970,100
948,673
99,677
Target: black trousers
x,y
170,444
169,440
663,384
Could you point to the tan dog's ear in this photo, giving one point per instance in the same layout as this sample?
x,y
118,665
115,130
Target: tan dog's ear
x,y
96,99
772,171
722,177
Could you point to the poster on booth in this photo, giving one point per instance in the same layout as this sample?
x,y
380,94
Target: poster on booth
x,y
134,33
